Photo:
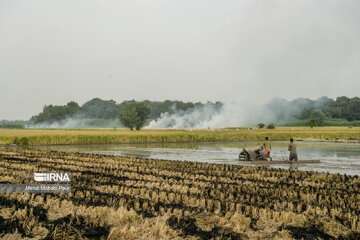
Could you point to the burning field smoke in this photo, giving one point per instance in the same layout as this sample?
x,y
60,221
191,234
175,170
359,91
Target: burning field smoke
x,y
231,114
208,115
239,113
73,122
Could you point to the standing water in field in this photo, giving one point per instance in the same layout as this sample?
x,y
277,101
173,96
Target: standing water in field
x,y
341,158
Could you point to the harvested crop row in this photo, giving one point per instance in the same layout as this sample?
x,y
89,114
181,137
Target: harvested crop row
x,y
196,199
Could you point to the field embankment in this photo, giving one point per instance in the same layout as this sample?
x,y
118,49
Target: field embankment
x,y
107,136
128,198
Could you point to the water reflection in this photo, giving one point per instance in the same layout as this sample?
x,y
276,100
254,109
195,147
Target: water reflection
x,y
334,157
294,166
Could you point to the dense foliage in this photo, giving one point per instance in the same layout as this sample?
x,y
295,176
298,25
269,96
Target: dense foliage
x,y
343,111
322,111
134,115
53,113
12,124
317,117
108,109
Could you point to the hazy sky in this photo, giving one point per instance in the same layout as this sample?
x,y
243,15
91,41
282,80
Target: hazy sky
x,y
52,52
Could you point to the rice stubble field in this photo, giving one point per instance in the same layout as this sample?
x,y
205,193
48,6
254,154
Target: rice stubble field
x,y
131,198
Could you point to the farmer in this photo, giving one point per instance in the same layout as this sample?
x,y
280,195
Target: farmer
x,y
267,146
262,153
293,152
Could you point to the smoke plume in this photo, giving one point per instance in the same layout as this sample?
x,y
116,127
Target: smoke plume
x,y
73,122
237,114
206,116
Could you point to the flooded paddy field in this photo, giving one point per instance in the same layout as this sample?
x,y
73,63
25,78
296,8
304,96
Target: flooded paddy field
x,y
117,197
343,158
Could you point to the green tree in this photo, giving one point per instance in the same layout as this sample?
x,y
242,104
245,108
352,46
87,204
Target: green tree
x,y
354,109
306,112
129,117
72,108
270,126
261,125
312,123
340,108
98,108
134,115
143,112
318,117
53,113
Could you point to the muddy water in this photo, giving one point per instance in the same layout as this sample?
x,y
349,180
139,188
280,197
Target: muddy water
x,y
341,158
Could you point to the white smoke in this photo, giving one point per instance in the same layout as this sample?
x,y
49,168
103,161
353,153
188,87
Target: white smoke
x,y
79,123
241,113
208,116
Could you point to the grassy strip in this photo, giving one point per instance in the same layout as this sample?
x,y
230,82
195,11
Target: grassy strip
x,y
106,136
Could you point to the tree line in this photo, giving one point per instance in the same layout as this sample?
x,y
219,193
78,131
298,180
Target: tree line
x,y
315,112
304,111
132,114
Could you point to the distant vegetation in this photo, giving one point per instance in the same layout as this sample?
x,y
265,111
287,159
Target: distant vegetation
x,y
103,111
343,111
324,111
134,115
12,124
